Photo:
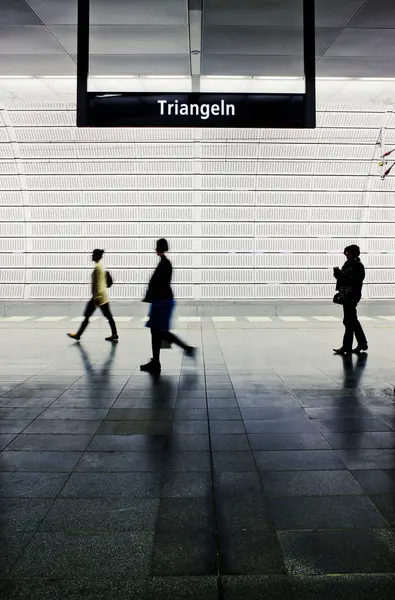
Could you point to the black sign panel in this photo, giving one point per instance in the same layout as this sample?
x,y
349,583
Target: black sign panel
x,y
196,110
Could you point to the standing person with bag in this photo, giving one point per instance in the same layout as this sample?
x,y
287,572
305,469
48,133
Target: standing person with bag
x,y
160,296
349,290
101,280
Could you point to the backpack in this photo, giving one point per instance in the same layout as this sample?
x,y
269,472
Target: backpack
x,y
109,280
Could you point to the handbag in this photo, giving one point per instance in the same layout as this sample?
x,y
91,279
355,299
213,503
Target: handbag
x,y
339,298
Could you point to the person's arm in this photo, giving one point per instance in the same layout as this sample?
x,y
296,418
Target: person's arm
x,y
356,276
95,284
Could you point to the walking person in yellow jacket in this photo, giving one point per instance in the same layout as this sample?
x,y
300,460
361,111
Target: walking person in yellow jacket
x,y
99,299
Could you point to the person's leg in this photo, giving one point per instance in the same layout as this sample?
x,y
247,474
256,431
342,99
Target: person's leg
x,y
105,308
156,340
360,334
153,366
168,336
349,325
173,339
89,310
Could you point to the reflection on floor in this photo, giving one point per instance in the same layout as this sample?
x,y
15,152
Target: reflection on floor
x,y
265,470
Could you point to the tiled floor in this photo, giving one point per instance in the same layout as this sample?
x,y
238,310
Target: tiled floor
x,y
265,470
240,319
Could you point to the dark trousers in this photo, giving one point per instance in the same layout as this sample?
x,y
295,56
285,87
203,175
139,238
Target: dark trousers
x,y
156,340
352,327
90,309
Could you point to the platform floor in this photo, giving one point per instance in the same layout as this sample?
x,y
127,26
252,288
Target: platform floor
x,y
264,471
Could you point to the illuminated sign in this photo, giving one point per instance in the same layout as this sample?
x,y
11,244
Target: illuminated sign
x,y
196,110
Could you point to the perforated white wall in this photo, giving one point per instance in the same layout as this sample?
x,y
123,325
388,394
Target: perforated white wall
x,y
249,213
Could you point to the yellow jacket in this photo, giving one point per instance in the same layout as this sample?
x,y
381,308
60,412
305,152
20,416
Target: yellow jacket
x,y
99,285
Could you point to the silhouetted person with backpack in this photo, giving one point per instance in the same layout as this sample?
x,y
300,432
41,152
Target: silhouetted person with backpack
x,y
160,296
349,290
101,280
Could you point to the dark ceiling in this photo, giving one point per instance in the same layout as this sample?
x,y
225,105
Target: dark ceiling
x,y
355,38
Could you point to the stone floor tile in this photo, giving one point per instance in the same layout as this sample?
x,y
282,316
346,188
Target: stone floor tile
x,y
182,588
288,441
107,485
31,485
229,443
338,551
184,553
386,505
39,462
309,483
376,482
104,554
326,512
251,552
91,515
255,587
185,514
34,442
344,587
22,514
298,460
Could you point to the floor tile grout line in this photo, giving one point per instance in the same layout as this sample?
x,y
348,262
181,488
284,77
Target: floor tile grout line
x,y
215,515
266,498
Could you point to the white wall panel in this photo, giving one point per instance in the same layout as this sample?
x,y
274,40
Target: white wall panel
x,y
119,182
299,167
9,183
105,151
111,198
118,214
249,213
6,151
255,150
112,167
118,245
110,229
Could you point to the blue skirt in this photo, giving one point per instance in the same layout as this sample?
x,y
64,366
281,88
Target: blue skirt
x,y
159,316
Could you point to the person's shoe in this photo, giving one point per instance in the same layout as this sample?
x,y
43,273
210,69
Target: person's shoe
x,y
191,352
360,349
112,338
342,352
151,367
74,336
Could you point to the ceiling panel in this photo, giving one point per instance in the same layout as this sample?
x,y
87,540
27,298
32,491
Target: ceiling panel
x,y
336,13
275,41
253,40
240,37
17,12
264,66
376,13
139,65
62,12
37,64
287,13
27,39
365,42
113,12
355,67
116,39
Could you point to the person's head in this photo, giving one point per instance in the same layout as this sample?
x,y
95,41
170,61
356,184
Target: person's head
x,y
162,246
351,252
97,255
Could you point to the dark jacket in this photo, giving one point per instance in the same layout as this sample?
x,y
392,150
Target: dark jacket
x,y
350,279
159,287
